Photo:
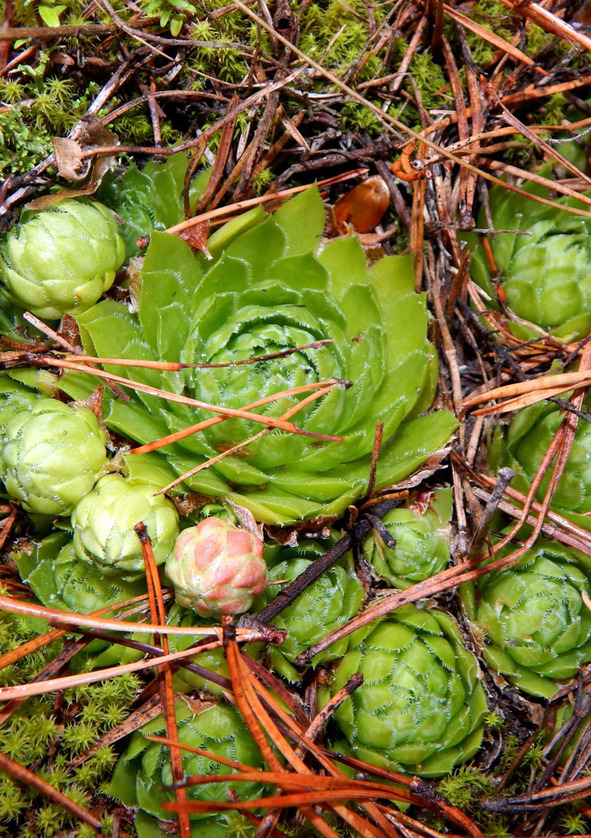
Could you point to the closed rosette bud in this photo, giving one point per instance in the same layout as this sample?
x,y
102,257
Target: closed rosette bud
x,y
536,625
543,258
421,547
325,605
53,456
62,259
104,524
143,771
217,568
421,706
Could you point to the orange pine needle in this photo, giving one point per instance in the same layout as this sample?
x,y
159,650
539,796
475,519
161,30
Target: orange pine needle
x,y
215,420
158,615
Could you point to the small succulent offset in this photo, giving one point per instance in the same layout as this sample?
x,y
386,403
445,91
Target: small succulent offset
x,y
327,604
217,568
545,270
144,768
421,706
536,625
62,259
52,455
270,288
422,547
104,524
525,445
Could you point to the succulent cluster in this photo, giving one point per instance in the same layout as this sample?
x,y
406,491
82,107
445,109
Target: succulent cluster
x,y
543,260
421,706
527,439
104,519
327,604
535,623
51,455
273,287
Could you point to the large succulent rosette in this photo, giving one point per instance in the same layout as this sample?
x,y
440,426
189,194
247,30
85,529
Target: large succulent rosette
x,y
421,706
543,261
144,767
535,624
272,288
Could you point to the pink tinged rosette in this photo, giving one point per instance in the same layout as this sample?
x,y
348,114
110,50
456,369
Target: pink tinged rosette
x,y
217,568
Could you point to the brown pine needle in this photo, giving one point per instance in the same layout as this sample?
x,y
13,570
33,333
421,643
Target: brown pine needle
x,y
68,681
175,366
240,206
215,420
239,445
158,615
174,397
544,387
70,619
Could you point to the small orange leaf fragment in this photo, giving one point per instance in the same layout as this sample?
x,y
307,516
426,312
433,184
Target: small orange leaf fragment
x,y
363,207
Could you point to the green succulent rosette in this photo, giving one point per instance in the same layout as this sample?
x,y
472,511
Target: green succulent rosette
x,y
326,605
421,706
53,454
271,288
213,660
105,518
524,445
62,259
422,547
535,624
144,767
544,269
59,579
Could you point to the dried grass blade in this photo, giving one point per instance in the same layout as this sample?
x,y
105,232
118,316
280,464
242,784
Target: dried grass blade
x,y
490,37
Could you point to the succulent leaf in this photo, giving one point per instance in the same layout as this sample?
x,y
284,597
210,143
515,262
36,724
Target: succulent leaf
x,y
61,260
421,706
269,290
